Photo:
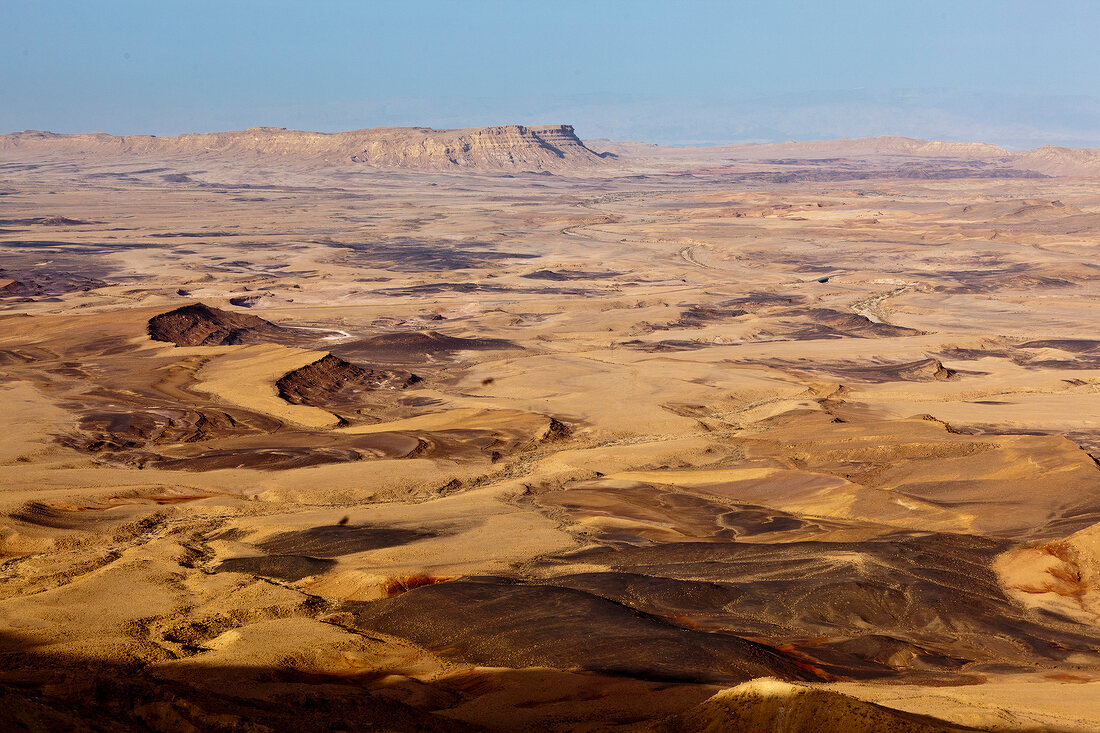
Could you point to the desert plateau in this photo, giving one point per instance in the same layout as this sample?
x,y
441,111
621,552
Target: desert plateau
x,y
496,429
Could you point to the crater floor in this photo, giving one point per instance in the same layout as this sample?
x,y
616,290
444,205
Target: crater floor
x,y
685,444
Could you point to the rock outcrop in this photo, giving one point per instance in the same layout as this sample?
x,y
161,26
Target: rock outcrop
x,y
201,325
330,378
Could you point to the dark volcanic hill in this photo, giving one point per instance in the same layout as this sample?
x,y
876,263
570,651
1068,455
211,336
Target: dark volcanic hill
x,y
330,378
201,325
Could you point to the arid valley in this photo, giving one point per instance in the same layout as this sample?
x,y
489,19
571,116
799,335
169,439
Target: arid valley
x,y
495,429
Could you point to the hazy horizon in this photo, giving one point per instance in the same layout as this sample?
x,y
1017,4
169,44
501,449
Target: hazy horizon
x,y
697,73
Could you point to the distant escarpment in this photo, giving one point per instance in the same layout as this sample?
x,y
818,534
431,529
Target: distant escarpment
x,y
869,158
500,148
201,325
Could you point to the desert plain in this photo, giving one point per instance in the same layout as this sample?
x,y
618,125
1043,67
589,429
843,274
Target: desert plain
x,y
496,429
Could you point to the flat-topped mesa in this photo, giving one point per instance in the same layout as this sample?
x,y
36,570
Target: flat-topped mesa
x,y
503,147
562,135
498,148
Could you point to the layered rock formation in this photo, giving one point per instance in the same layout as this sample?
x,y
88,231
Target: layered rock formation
x,y
540,148
502,147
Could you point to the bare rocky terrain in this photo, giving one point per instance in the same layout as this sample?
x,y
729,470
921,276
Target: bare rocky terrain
x,y
496,429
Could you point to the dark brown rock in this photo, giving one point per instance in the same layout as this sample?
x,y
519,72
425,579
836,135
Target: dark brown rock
x,y
201,325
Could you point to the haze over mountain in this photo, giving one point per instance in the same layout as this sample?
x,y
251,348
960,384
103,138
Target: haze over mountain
x,y
514,148
1009,72
503,147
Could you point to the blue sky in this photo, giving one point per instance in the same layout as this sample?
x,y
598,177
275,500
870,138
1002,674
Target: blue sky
x,y
1011,72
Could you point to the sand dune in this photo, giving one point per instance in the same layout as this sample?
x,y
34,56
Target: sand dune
x,y
772,705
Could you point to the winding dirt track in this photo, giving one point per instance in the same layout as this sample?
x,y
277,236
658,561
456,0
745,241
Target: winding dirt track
x,y
688,255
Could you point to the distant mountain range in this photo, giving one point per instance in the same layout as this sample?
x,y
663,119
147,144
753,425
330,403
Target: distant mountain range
x,y
543,148
502,147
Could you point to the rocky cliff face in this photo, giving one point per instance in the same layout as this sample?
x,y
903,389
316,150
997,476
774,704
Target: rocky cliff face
x,y
503,147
